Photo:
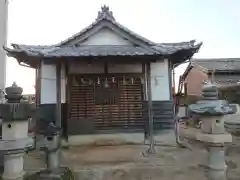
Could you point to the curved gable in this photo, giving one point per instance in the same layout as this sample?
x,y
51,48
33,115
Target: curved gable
x,y
106,26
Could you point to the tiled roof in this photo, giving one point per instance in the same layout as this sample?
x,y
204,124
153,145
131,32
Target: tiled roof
x,y
98,50
72,47
171,48
222,64
83,51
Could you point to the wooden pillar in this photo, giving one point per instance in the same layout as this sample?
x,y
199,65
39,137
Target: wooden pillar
x,y
185,90
38,84
58,96
144,81
173,80
146,128
171,85
36,87
67,101
151,149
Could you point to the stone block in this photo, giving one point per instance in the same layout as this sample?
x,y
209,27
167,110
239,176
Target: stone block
x,y
214,138
14,130
16,111
213,124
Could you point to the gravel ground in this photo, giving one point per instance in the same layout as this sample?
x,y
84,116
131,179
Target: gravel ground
x,y
127,162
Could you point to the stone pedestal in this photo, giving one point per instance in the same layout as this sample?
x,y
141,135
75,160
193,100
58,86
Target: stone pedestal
x,y
52,151
53,159
13,166
216,157
13,144
216,168
215,145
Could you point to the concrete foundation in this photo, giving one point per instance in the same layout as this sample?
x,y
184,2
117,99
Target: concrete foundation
x,y
118,139
106,139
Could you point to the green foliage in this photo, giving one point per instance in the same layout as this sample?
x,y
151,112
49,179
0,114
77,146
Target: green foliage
x,y
65,175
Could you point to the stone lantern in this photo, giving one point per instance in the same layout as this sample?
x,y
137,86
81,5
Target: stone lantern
x,y
212,113
52,145
15,140
51,148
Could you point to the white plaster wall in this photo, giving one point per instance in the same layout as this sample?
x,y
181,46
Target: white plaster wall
x,y
3,40
48,84
106,36
160,81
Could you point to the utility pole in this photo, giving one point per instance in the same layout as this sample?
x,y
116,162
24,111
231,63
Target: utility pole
x,y
3,40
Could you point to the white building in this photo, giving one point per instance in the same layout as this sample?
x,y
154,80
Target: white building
x,y
3,41
100,76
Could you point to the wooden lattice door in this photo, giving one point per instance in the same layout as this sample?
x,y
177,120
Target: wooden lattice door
x,y
109,103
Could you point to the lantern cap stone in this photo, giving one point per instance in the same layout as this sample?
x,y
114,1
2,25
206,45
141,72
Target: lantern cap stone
x,y
233,120
210,105
14,93
49,129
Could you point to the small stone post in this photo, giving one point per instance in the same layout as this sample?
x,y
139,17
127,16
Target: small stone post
x,y
52,148
213,135
15,140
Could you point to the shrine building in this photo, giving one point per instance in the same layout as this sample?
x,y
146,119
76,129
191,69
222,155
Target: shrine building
x,y
106,79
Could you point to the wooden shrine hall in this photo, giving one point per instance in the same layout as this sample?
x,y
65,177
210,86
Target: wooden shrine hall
x,y
105,79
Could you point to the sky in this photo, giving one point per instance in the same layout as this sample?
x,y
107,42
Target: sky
x,y
45,22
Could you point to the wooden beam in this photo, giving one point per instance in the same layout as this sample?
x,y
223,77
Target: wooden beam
x,y
58,96
115,59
